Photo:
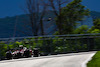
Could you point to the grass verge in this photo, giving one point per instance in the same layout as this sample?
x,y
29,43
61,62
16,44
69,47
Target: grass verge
x,y
95,62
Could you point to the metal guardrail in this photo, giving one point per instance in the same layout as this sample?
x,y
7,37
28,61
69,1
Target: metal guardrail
x,y
69,36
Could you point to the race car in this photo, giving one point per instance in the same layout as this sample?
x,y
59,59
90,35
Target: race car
x,y
19,52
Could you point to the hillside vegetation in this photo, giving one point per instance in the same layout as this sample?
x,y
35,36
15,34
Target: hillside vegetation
x,y
95,62
7,24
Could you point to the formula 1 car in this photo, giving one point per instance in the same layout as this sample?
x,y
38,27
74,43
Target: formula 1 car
x,y
19,53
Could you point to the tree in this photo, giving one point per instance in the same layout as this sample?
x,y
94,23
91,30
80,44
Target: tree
x,y
73,12
96,27
56,7
35,10
95,31
96,23
81,30
3,48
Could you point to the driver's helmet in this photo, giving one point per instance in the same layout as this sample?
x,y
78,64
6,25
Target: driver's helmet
x,y
21,46
25,48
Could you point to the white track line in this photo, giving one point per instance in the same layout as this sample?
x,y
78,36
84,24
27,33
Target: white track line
x,y
84,64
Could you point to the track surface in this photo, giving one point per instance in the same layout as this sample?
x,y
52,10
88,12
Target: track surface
x,y
64,60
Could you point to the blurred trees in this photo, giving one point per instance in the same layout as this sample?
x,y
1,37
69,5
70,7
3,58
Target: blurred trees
x,y
35,10
96,27
3,48
56,7
66,16
73,12
81,30
97,23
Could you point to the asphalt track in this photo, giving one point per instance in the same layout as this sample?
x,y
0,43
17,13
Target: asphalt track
x,y
63,60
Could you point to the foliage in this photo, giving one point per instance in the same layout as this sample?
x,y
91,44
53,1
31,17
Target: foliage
x,y
3,48
81,30
97,43
95,62
73,12
96,27
97,23
95,31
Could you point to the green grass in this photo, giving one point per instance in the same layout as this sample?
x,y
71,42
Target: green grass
x,y
95,62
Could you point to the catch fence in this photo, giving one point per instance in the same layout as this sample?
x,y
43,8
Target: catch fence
x,y
56,44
